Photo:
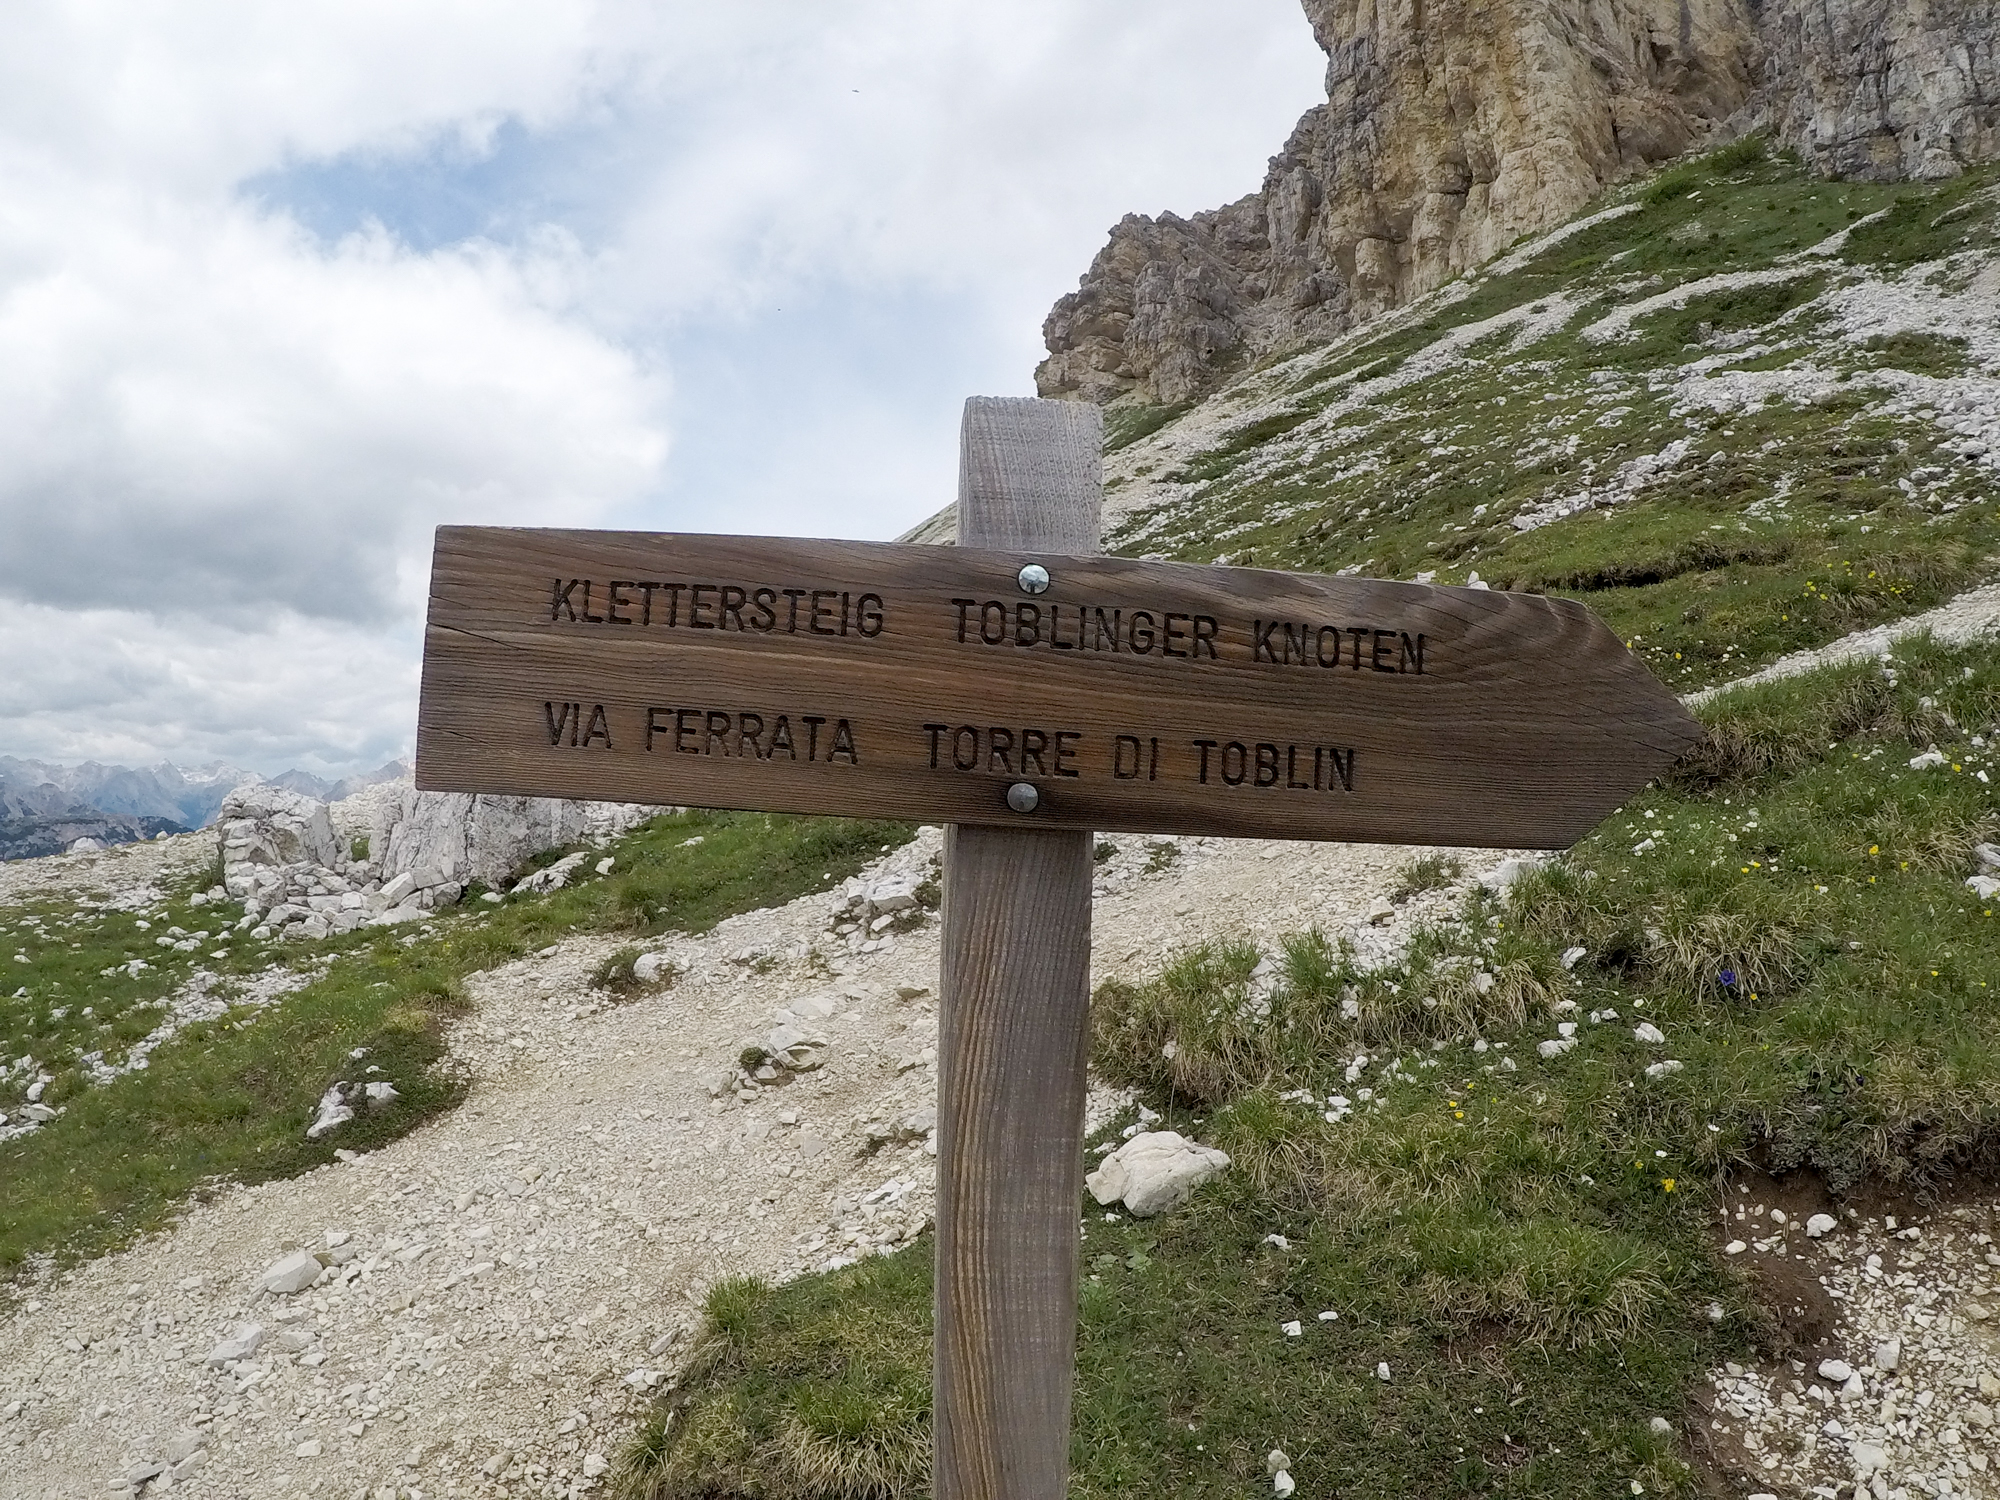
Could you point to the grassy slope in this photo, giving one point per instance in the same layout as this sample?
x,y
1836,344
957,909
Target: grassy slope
x,y
231,1098
1526,1247
1525,1242
1411,446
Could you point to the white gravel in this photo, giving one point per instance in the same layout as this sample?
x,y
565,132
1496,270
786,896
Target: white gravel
x,y
1901,1400
513,1279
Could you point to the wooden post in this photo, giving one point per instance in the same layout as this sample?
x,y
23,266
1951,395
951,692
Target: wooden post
x,y
1014,1036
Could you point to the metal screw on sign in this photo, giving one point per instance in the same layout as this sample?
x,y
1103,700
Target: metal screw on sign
x,y
1023,798
1034,579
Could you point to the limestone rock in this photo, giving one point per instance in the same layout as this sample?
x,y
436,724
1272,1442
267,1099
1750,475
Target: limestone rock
x,y
244,1341
552,878
265,827
1871,89
1154,1171
460,837
789,1047
294,1273
334,1111
1451,130
184,1445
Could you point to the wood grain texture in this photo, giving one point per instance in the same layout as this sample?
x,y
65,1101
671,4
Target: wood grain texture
x,y
1252,703
1011,1057
1012,1047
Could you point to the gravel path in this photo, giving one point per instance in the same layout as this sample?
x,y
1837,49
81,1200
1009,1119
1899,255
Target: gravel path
x,y
512,1278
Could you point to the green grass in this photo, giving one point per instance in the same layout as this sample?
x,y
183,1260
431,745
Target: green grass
x,y
1528,1243
1702,559
230,1098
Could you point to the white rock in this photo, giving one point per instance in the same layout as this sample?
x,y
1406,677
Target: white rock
x,y
647,967
1734,1247
1985,887
553,878
263,827
1555,1048
1275,1460
466,837
1888,1354
294,1273
1837,1370
310,1448
797,1050
380,1093
1292,1330
243,1342
1504,874
1570,957
1646,1031
1930,760
333,1112
1281,1484
1664,1069
1869,1458
184,1444
1153,1171
1382,1371
595,1465
393,891
1660,1427
1821,1225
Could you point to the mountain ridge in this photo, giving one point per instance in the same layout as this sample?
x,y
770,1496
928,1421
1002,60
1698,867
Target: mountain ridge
x,y
1449,132
165,793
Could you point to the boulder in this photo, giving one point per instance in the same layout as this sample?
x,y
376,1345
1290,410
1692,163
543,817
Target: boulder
x,y
459,837
263,827
1153,1172
294,1273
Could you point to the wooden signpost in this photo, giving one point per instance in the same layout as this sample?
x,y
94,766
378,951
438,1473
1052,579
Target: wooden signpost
x,y
1027,693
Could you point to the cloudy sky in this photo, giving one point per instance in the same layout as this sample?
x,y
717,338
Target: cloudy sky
x,y
282,287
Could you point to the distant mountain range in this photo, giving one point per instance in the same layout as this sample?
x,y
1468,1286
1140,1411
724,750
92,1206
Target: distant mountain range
x,y
42,804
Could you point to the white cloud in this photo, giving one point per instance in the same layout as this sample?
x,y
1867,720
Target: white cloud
x,y
129,687
790,237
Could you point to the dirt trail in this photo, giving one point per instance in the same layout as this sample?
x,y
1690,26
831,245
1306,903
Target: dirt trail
x,y
516,1272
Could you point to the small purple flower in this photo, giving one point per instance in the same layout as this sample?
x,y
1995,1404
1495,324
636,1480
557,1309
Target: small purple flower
x,y
1728,978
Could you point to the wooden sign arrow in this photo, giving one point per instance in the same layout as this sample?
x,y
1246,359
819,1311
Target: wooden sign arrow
x,y
930,683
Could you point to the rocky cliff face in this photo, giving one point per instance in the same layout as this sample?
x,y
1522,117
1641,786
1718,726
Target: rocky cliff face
x,y
1452,128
